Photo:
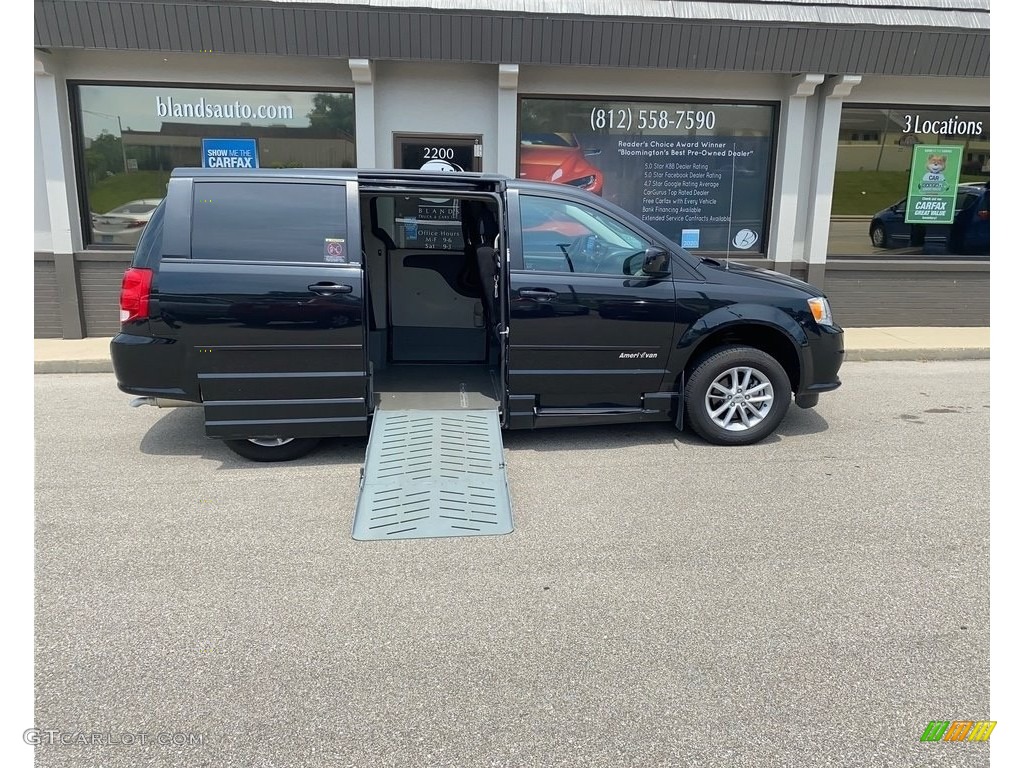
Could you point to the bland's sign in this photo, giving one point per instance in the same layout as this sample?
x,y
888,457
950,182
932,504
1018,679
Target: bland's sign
x,y
230,153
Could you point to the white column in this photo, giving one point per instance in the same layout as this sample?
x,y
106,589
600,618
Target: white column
x,y
48,122
508,96
58,200
830,109
792,146
366,145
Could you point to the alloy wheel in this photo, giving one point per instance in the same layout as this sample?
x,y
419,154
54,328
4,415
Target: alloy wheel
x,y
739,399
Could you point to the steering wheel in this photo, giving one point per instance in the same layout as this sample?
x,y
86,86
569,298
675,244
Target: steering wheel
x,y
588,253
602,257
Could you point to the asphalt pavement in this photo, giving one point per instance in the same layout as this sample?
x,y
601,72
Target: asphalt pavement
x,y
813,600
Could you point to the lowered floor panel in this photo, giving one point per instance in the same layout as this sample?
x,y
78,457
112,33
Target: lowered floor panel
x,y
432,473
444,387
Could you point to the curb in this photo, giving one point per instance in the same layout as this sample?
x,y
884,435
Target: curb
x,y
852,355
916,355
74,366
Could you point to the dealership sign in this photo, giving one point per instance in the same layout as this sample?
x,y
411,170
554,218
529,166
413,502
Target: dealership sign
x,y
230,153
934,174
699,173
951,126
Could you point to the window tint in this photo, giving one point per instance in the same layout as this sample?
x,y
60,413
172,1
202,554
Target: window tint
x,y
565,236
971,198
270,222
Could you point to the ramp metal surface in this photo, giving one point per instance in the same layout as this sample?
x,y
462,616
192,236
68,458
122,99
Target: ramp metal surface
x,y
433,473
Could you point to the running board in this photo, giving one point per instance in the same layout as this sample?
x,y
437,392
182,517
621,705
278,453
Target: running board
x,y
433,473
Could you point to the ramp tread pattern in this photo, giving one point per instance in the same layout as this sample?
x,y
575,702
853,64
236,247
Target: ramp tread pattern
x,y
431,474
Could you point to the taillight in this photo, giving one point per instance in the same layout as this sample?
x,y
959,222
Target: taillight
x,y
983,215
135,224
135,294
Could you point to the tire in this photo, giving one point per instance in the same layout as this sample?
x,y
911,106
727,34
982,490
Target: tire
x,y
273,449
724,394
879,237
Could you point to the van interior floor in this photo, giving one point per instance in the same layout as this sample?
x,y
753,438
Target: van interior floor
x,y
436,387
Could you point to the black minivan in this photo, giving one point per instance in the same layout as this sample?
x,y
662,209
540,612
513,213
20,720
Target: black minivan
x,y
291,303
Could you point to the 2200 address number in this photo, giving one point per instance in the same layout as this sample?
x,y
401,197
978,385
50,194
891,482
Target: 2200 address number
x,y
641,119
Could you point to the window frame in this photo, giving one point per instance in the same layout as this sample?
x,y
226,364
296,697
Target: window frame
x,y
519,259
773,150
78,153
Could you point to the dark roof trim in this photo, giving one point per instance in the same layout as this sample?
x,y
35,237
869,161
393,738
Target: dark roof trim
x,y
347,31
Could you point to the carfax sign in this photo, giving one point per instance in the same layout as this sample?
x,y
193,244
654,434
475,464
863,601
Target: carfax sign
x,y
230,153
934,174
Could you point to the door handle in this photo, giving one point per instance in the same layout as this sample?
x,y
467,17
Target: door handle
x,y
329,289
540,294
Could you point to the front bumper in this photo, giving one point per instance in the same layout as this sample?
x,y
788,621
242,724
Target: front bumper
x,y
823,358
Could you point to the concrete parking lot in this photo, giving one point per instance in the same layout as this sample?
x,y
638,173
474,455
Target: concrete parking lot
x,y
814,600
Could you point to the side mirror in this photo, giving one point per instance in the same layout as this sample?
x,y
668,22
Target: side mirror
x,y
656,262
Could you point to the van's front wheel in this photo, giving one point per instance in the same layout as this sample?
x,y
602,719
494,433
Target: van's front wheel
x,y
737,395
273,448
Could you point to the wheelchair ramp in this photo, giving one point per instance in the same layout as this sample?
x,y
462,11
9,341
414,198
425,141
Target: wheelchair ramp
x,y
433,473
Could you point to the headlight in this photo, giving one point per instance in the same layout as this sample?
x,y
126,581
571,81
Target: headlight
x,y
586,181
820,310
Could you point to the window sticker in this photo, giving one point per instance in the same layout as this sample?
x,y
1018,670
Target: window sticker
x,y
334,250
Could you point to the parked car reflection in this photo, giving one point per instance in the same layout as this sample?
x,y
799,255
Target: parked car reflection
x,y
559,157
968,234
123,225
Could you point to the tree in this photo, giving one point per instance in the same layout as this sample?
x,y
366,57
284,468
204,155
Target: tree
x,y
103,157
334,112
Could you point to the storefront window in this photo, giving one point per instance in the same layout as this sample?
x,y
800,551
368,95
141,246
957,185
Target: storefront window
x,y
911,182
130,138
697,172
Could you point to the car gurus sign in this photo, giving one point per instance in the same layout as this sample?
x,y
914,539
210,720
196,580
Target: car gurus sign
x,y
934,174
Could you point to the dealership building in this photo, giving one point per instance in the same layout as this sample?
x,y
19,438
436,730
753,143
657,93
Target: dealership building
x,y
845,143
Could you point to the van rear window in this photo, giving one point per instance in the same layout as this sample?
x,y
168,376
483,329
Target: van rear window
x,y
266,221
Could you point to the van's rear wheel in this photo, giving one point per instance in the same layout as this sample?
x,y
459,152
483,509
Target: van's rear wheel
x,y
737,395
273,448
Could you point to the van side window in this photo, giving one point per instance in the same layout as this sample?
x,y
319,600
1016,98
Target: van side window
x,y
267,221
566,236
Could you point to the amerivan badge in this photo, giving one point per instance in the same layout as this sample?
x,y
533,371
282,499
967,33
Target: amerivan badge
x,y
334,250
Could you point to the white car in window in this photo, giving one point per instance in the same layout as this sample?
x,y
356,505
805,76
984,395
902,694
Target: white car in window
x,y
122,225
